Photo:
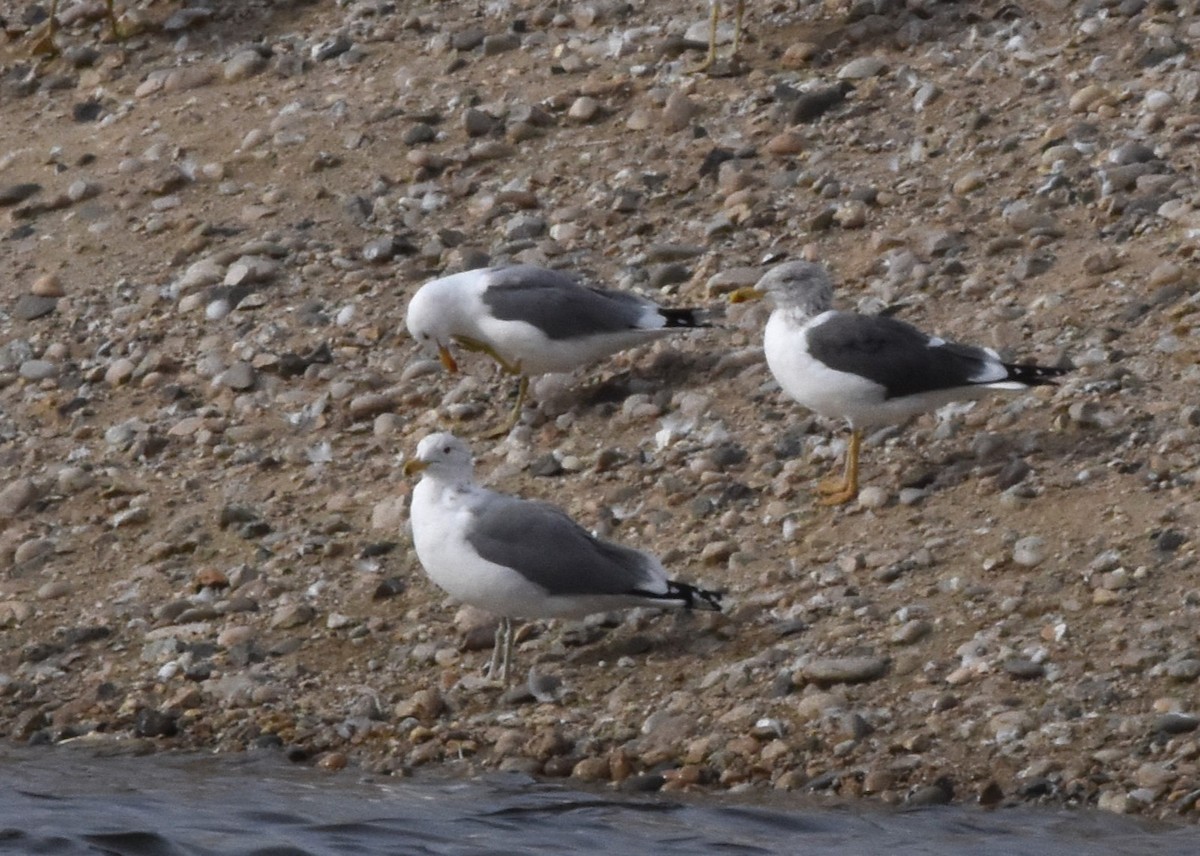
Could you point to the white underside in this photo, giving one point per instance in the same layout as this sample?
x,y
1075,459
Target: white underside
x,y
440,517
453,306
527,346
844,395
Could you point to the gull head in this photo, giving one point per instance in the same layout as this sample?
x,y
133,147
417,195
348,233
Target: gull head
x,y
431,317
441,454
800,286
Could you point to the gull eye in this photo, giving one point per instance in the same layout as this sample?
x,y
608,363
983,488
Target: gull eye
x,y
445,450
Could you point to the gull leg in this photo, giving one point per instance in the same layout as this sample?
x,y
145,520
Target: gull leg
x,y
737,26
499,668
498,648
841,491
714,16
509,368
515,416
45,46
112,19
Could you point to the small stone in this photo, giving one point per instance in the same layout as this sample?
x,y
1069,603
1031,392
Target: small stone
x,y
786,143
1176,723
243,64
31,306
862,68
47,285
679,111
873,496
498,43
1030,552
292,615
250,270
584,109
37,370
969,182
130,517
844,670
119,371
16,495
1087,97
1025,669
239,376
13,194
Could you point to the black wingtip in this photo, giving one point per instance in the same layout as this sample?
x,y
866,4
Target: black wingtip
x,y
694,597
1034,375
684,317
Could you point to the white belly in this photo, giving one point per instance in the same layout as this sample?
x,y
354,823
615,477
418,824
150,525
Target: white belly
x,y
523,343
439,518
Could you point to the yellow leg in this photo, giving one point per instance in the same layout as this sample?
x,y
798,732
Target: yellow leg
x,y
714,18
45,45
840,491
737,26
510,368
515,416
500,667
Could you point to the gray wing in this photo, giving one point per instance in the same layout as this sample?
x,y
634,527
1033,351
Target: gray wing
x,y
550,549
898,356
558,305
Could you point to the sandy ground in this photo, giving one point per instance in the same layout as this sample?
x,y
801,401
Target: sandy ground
x,y
208,234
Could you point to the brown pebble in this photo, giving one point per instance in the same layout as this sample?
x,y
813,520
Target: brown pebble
x,y
47,285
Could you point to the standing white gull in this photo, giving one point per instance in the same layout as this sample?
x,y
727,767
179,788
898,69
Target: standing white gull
x,y
868,370
523,559
533,320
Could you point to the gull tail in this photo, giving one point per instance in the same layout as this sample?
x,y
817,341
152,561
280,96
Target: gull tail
x,y
1033,375
690,596
683,317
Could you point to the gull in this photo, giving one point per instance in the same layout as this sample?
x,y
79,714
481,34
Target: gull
x,y
866,369
533,320
522,559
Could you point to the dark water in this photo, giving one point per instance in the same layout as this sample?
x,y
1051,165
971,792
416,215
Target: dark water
x,y
59,801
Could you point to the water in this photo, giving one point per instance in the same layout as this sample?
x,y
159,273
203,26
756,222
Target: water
x,y
68,802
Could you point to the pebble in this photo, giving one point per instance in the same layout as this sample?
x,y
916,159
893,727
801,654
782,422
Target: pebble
x,y
1029,552
291,615
47,285
844,670
584,109
16,495
243,64
37,370
32,306
862,68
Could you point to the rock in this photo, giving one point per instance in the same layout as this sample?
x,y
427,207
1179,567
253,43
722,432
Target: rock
x,y
47,285
584,109
37,370
292,615
31,306
678,111
844,670
16,496
862,68
13,194
1030,552
243,64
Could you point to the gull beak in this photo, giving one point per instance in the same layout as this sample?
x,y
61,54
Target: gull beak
x,y
414,466
447,359
745,295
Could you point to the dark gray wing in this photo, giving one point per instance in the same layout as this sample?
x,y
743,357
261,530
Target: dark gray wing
x,y
898,356
548,548
558,305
